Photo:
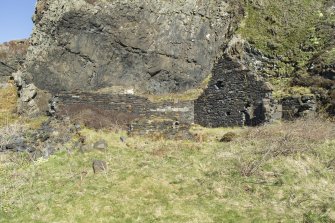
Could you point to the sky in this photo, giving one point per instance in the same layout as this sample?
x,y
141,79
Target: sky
x,y
15,19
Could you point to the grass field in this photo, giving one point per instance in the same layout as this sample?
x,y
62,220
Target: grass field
x,y
283,172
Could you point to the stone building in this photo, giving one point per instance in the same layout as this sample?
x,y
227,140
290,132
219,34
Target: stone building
x,y
79,52
234,97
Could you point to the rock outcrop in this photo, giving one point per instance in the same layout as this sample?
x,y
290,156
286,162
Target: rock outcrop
x,y
106,57
12,56
150,46
292,44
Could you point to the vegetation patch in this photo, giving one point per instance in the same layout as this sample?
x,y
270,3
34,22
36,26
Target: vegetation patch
x,y
280,172
11,48
293,35
277,31
191,94
8,95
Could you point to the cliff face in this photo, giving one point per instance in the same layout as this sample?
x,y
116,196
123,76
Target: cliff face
x,y
158,47
152,46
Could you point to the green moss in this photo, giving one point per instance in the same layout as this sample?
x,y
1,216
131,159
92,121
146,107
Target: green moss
x,y
282,88
328,57
292,32
291,91
279,27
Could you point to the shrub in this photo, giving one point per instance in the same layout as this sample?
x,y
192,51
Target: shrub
x,y
228,137
286,139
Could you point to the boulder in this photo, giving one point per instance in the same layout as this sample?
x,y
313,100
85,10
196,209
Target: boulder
x,y
100,145
28,93
99,166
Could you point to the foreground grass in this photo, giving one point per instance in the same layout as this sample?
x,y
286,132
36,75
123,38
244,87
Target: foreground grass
x,y
275,173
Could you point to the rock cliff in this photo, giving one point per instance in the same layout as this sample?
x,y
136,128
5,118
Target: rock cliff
x,y
151,46
158,47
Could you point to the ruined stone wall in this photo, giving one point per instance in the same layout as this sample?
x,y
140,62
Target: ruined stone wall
x,y
234,97
157,128
123,109
299,106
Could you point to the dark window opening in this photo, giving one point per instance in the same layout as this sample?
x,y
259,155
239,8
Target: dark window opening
x,y
228,113
219,85
176,125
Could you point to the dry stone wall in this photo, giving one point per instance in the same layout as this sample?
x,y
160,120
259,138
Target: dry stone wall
x,y
157,128
299,106
125,109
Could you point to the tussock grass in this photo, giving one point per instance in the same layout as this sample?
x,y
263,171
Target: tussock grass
x,y
180,181
8,99
8,131
8,112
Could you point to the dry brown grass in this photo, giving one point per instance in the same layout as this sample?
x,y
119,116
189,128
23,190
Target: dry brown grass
x,y
8,100
284,139
9,131
307,131
195,180
3,55
96,118
41,6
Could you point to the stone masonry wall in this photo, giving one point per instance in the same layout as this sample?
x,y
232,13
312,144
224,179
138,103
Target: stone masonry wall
x,y
234,97
299,106
158,128
123,108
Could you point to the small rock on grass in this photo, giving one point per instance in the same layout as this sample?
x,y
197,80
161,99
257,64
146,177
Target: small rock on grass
x,y
100,145
123,139
99,166
85,148
50,150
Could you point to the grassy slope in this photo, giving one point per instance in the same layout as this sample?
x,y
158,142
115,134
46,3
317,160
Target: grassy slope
x,y
246,180
279,173
288,30
280,27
